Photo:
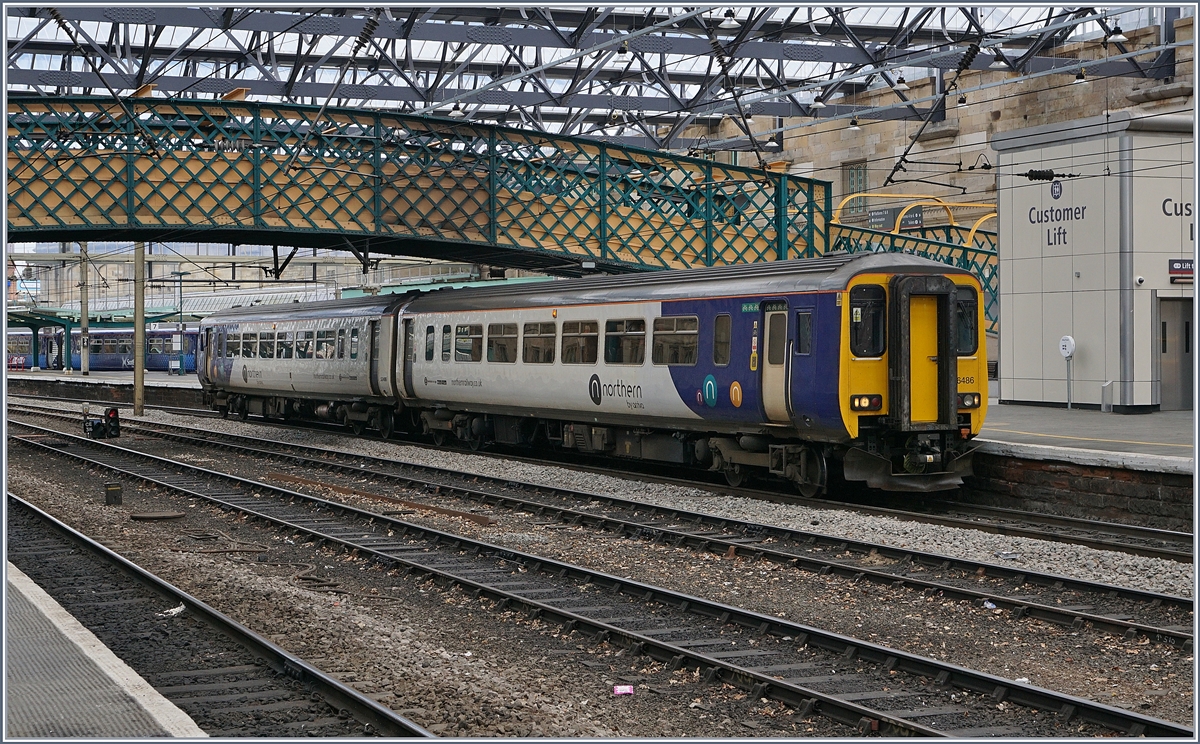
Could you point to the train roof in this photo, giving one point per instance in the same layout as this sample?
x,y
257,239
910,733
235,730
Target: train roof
x,y
352,307
830,273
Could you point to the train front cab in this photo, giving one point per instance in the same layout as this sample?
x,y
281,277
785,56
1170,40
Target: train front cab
x,y
913,385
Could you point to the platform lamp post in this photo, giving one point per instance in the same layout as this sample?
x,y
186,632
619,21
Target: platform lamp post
x,y
177,339
139,328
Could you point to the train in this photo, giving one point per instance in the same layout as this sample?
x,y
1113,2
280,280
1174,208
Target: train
x,y
875,364
111,349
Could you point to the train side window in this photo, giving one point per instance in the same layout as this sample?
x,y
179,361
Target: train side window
x,y
354,343
502,342
580,340
154,345
676,341
539,343
722,338
233,345
968,321
96,346
283,345
249,345
266,345
468,343
625,341
430,333
326,341
304,344
124,345
868,320
804,331
447,340
341,346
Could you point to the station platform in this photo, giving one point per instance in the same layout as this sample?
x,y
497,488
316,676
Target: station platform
x,y
1159,442
63,682
121,377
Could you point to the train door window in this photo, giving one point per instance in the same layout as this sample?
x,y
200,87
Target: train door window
x,y
468,343
429,342
625,341
804,332
968,321
776,337
446,341
341,346
354,343
266,345
868,320
326,341
580,341
233,345
502,342
722,336
249,345
539,343
676,341
283,345
304,344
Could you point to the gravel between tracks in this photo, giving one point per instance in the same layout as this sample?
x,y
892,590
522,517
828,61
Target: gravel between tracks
x,y
1150,574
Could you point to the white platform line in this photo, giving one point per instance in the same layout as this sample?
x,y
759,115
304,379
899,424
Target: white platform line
x,y
163,711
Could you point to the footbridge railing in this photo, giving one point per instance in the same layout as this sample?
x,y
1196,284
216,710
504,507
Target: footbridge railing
x,y
90,168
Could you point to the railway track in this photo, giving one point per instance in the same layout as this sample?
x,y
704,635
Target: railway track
x,y
1131,539
878,689
1076,603
251,688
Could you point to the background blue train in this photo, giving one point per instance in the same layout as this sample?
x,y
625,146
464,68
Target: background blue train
x,y
111,350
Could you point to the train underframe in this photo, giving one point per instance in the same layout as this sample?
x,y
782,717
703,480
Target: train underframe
x,y
887,460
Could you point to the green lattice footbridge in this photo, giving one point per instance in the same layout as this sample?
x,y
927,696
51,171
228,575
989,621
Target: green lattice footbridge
x,y
84,168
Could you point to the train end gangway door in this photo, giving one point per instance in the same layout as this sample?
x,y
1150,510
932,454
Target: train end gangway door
x,y
923,356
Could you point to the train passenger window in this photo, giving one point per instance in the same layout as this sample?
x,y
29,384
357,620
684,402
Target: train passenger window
x,y
124,345
96,346
304,344
154,346
804,331
249,345
539,343
968,321
468,343
580,340
722,336
625,341
502,342
446,340
233,345
676,341
266,345
429,339
341,346
283,345
868,320
354,343
325,344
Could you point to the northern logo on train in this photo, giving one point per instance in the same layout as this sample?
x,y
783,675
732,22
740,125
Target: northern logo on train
x,y
598,390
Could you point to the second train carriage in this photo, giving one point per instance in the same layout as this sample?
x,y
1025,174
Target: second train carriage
x,y
874,362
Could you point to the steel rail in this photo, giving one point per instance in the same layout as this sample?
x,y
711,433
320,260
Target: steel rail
x,y
696,538
367,711
866,719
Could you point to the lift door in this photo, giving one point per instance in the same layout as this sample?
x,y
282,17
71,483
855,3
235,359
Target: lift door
x,y
1175,348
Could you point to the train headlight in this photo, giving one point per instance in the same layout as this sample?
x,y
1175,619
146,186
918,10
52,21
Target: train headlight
x,y
969,400
866,402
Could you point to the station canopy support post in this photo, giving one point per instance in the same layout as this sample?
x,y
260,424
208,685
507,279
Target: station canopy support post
x,y
139,328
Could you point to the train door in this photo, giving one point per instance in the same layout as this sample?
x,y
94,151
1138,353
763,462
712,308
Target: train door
x,y
774,369
923,357
409,354
1175,348
373,355
804,383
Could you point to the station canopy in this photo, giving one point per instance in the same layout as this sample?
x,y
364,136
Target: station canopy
x,y
637,75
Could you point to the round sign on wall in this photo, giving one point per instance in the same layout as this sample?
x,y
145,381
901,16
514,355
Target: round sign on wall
x,y
1066,347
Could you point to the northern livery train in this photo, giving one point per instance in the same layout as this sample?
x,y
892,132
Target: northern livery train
x,y
873,363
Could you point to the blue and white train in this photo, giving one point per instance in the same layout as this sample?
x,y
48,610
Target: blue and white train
x,y
873,363
110,349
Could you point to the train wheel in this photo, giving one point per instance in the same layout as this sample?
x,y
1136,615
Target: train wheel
x,y
243,411
439,438
358,427
224,411
386,424
475,444
734,475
